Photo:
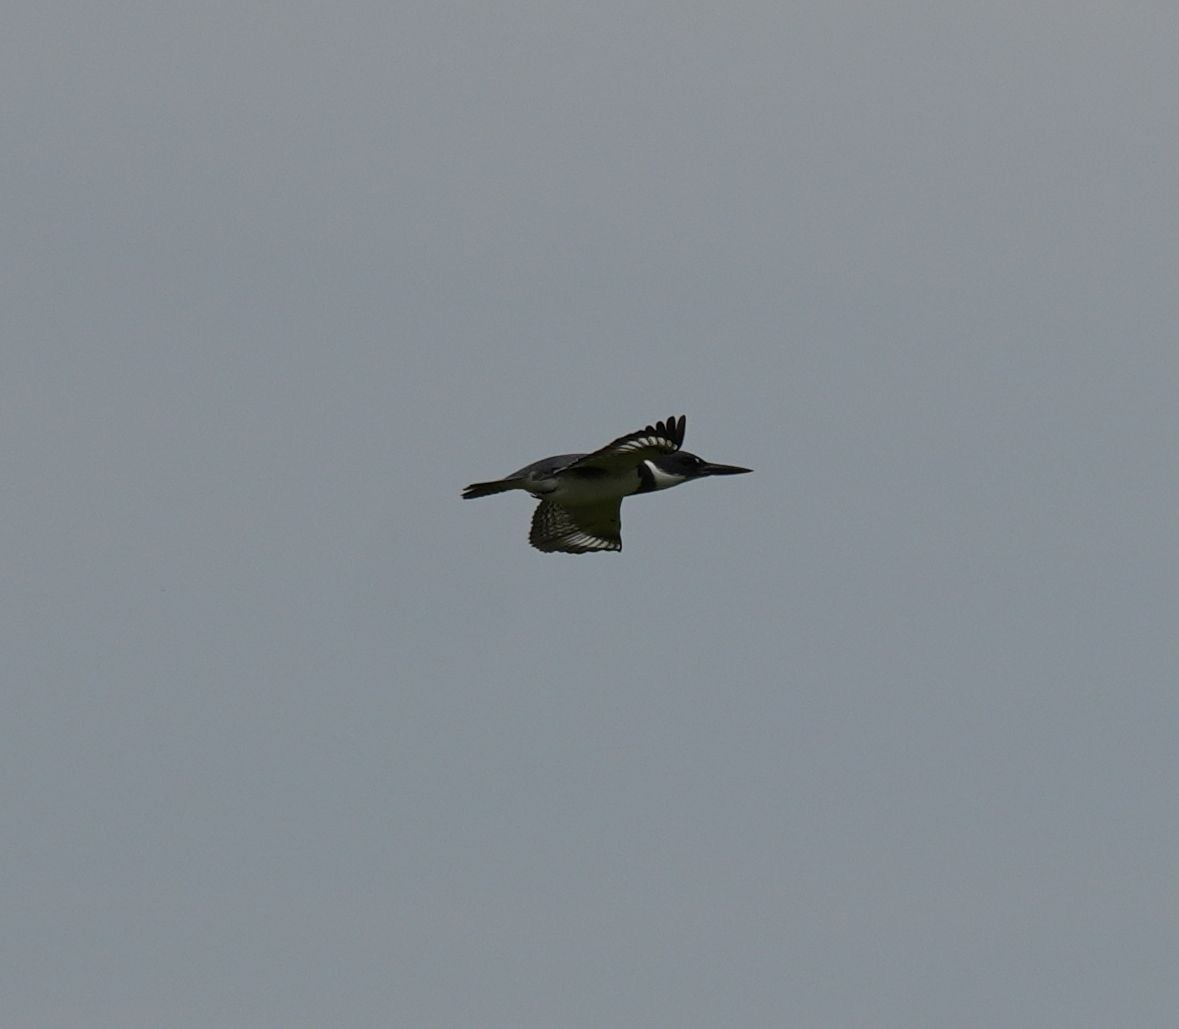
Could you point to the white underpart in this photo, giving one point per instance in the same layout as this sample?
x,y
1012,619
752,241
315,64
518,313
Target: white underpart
x,y
663,479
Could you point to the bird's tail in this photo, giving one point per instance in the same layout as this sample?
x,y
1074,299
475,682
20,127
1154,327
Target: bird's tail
x,y
487,489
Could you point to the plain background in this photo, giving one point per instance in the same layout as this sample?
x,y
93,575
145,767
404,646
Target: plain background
x,y
882,735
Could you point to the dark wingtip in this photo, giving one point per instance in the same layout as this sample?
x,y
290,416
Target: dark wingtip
x,y
672,429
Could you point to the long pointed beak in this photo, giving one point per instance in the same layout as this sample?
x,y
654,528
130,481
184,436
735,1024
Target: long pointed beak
x,y
722,469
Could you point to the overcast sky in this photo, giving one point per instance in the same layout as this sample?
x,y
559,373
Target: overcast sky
x,y
882,735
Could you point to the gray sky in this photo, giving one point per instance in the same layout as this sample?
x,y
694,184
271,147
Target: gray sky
x,y
882,735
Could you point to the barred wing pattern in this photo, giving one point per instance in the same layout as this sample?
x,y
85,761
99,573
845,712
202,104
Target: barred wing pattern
x,y
635,447
577,530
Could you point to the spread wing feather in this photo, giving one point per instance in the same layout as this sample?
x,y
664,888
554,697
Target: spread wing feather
x,y
635,447
577,530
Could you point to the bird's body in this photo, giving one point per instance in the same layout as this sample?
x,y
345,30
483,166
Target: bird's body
x,y
581,494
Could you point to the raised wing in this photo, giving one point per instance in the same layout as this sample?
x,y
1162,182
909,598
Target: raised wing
x,y
577,530
630,450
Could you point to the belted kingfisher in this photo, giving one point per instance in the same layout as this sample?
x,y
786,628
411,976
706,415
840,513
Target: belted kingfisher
x,y
581,494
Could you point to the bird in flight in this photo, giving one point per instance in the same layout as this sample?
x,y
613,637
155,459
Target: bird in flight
x,y
581,494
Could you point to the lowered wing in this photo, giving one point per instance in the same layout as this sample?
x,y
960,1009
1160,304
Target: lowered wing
x,y
577,530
